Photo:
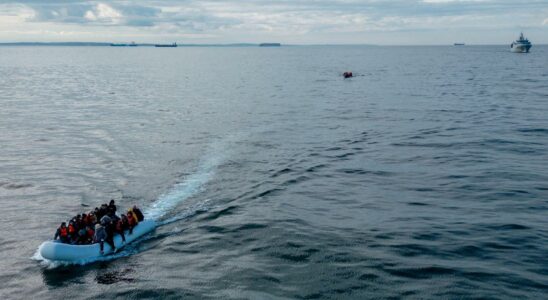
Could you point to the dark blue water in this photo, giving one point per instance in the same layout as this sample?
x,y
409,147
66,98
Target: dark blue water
x,y
272,177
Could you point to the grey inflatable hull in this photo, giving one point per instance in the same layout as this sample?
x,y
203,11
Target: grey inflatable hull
x,y
57,251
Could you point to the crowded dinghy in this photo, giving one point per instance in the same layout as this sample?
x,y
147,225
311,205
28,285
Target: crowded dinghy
x,y
95,234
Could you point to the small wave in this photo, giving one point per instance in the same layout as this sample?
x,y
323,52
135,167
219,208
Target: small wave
x,y
268,192
364,172
533,130
422,272
511,226
115,277
281,172
14,186
417,204
223,212
316,168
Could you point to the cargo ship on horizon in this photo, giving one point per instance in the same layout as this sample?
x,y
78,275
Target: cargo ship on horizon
x,y
166,45
132,44
270,45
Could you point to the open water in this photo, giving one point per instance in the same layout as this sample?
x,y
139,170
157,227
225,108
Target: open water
x,y
273,177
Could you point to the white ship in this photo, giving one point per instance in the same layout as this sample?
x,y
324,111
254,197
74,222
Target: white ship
x,y
521,45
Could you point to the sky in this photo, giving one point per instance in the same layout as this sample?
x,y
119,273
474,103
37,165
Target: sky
x,y
381,22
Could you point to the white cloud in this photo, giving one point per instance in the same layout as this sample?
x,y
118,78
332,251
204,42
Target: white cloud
x,y
90,15
103,13
318,21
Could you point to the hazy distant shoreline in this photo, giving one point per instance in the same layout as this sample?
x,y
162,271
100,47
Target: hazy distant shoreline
x,y
97,44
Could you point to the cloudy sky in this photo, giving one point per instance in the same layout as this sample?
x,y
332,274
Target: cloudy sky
x,y
287,21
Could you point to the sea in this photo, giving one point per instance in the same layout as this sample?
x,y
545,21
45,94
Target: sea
x,y
425,176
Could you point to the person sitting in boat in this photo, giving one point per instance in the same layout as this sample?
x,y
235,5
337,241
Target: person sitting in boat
x,y
78,222
103,210
82,236
62,233
101,237
138,213
134,214
104,232
125,222
121,227
110,228
105,220
96,214
90,233
86,219
112,205
131,221
72,232
90,219
112,215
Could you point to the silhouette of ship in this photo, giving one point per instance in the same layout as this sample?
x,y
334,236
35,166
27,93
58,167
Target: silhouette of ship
x,y
521,45
270,45
132,44
166,45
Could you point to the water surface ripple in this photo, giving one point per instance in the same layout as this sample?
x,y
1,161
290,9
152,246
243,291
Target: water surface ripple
x,y
423,177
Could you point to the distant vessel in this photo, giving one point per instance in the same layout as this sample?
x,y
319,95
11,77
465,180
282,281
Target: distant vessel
x,y
166,45
521,45
458,44
132,44
270,45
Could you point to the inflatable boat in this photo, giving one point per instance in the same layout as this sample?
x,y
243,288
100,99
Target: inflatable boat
x,y
57,251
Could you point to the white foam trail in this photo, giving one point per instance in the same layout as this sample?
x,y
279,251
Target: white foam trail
x,y
191,211
192,184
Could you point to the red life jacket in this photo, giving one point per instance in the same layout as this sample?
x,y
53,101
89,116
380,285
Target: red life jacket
x,y
63,232
131,220
90,232
71,229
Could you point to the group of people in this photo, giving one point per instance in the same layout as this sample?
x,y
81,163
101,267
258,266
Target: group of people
x,y
99,226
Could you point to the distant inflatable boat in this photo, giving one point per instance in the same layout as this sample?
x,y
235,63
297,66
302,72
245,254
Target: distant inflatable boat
x,y
57,251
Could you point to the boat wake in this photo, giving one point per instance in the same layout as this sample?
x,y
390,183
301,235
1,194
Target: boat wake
x,y
166,203
191,185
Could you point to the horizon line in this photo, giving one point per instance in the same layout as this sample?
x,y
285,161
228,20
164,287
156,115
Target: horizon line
x,y
99,44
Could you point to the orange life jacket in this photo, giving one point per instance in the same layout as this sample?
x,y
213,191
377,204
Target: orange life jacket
x,y
63,232
71,229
